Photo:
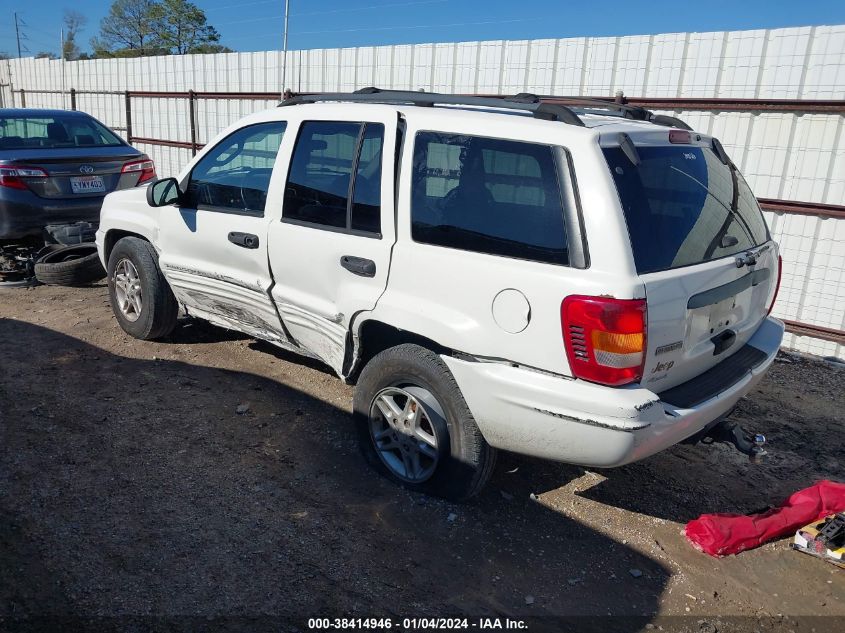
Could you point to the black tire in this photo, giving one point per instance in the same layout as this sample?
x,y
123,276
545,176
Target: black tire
x,y
74,265
159,307
466,460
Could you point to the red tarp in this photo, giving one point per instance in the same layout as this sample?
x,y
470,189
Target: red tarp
x,y
723,534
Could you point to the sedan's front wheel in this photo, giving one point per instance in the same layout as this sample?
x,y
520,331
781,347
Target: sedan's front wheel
x,y
140,296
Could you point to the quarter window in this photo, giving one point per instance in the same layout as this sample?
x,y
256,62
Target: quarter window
x,y
235,175
335,176
488,195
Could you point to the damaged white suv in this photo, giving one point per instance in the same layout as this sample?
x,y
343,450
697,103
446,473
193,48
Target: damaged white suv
x,y
575,280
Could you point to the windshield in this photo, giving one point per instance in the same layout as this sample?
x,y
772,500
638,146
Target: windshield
x,y
683,206
53,131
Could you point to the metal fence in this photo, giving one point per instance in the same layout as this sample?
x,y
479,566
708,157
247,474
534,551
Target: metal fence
x,y
775,98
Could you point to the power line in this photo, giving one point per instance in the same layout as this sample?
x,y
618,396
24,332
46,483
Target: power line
x,y
223,7
18,34
419,26
391,5
379,6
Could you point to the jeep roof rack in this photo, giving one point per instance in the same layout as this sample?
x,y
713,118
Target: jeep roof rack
x,y
637,113
540,110
554,108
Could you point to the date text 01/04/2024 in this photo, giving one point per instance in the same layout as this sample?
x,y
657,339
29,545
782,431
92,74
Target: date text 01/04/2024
x,y
416,624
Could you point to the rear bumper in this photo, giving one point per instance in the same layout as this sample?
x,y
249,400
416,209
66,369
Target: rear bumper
x,y
23,214
574,421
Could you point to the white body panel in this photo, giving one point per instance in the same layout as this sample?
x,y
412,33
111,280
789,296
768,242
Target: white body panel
x,y
671,321
214,277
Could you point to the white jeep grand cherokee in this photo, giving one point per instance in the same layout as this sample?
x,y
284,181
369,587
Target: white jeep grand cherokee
x,y
588,283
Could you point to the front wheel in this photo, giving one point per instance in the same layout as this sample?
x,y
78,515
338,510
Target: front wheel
x,y
415,427
140,297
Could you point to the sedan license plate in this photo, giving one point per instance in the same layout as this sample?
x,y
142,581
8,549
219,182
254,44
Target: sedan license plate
x,y
87,184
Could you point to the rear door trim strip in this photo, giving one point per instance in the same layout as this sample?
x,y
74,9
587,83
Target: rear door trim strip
x,y
730,289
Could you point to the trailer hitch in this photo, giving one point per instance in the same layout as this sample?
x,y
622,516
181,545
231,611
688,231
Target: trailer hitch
x,y
731,432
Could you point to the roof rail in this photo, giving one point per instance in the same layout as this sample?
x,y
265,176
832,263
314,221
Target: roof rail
x,y
523,102
549,107
638,113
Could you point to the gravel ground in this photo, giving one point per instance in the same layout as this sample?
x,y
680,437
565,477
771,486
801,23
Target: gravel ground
x,y
130,486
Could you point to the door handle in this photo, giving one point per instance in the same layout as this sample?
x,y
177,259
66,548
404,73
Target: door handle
x,y
244,240
723,341
359,266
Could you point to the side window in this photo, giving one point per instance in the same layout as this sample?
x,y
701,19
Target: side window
x,y
366,199
235,175
335,176
488,195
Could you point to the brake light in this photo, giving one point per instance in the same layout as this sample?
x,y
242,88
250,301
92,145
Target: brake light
x,y
777,285
11,175
605,338
146,170
679,136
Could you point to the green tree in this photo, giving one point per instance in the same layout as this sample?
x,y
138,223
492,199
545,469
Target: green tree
x,y
74,22
128,30
181,27
46,55
155,27
211,48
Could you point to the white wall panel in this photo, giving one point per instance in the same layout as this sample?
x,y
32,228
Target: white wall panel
x,y
600,59
664,65
539,77
571,66
825,64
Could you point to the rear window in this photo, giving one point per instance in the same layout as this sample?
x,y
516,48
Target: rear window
x,y
683,206
23,132
488,195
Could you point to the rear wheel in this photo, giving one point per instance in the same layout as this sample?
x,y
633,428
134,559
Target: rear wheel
x,y
415,427
140,296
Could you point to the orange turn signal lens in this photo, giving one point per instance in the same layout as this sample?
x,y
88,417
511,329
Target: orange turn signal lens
x,y
617,343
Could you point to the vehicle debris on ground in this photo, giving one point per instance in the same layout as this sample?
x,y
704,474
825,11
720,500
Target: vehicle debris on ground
x,y
726,534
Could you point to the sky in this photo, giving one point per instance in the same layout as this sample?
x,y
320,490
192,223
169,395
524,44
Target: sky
x,y
255,25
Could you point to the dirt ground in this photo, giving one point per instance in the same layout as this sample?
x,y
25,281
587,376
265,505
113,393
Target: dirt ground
x,y
129,486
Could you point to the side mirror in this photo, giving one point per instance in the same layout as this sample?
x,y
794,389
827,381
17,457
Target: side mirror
x,y
163,192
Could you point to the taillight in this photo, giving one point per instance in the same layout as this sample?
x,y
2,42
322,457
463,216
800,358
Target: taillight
x,y
605,338
11,176
145,169
777,285
680,136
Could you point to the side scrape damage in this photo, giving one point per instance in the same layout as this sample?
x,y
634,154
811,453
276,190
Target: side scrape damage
x,y
589,422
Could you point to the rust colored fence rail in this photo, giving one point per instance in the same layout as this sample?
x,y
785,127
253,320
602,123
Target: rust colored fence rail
x,y
803,208
798,106
816,331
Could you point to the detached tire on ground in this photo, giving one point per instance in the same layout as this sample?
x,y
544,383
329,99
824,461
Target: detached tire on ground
x,y
140,297
415,427
74,265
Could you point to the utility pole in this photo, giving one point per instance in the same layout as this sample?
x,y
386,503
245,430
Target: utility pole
x,y
18,33
62,51
285,49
